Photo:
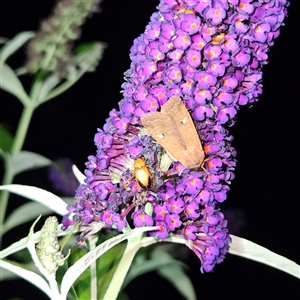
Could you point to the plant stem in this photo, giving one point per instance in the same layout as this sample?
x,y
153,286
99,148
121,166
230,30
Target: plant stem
x,y
22,128
16,147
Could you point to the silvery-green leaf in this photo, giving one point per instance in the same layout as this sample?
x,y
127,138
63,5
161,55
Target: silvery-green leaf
x,y
113,289
26,160
8,275
80,177
21,244
24,213
68,200
3,40
173,272
175,275
14,44
55,203
29,276
48,85
80,266
166,266
250,250
10,82
6,157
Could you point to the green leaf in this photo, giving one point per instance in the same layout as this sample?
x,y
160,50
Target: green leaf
x,y
174,273
47,85
21,244
39,195
250,250
3,40
24,213
10,82
30,266
6,139
88,55
14,44
79,176
142,265
166,266
7,275
177,277
83,282
106,267
84,262
68,200
29,276
26,160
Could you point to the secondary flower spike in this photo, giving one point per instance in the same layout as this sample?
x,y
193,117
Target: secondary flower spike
x,y
210,54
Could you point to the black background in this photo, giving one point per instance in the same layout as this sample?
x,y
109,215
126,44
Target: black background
x,y
263,204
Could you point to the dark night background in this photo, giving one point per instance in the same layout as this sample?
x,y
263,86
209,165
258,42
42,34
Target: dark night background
x,y
263,204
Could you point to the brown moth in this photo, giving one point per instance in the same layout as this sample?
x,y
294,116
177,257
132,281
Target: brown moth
x,y
174,130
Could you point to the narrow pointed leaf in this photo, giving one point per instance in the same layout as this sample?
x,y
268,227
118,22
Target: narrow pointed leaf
x,y
22,243
83,263
29,276
14,44
48,85
179,279
26,160
250,250
39,195
24,213
80,177
106,266
10,82
142,264
8,275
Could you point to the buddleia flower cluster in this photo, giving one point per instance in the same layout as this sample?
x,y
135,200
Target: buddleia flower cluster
x,y
209,53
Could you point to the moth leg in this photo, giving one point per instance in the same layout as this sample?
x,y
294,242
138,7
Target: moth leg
x,y
202,165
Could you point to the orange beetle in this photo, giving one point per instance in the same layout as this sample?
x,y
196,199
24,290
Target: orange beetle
x,y
217,39
141,173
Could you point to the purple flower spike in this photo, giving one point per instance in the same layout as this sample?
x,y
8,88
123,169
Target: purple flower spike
x,y
210,54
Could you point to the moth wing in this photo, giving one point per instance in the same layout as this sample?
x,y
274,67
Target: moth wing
x,y
163,129
193,154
